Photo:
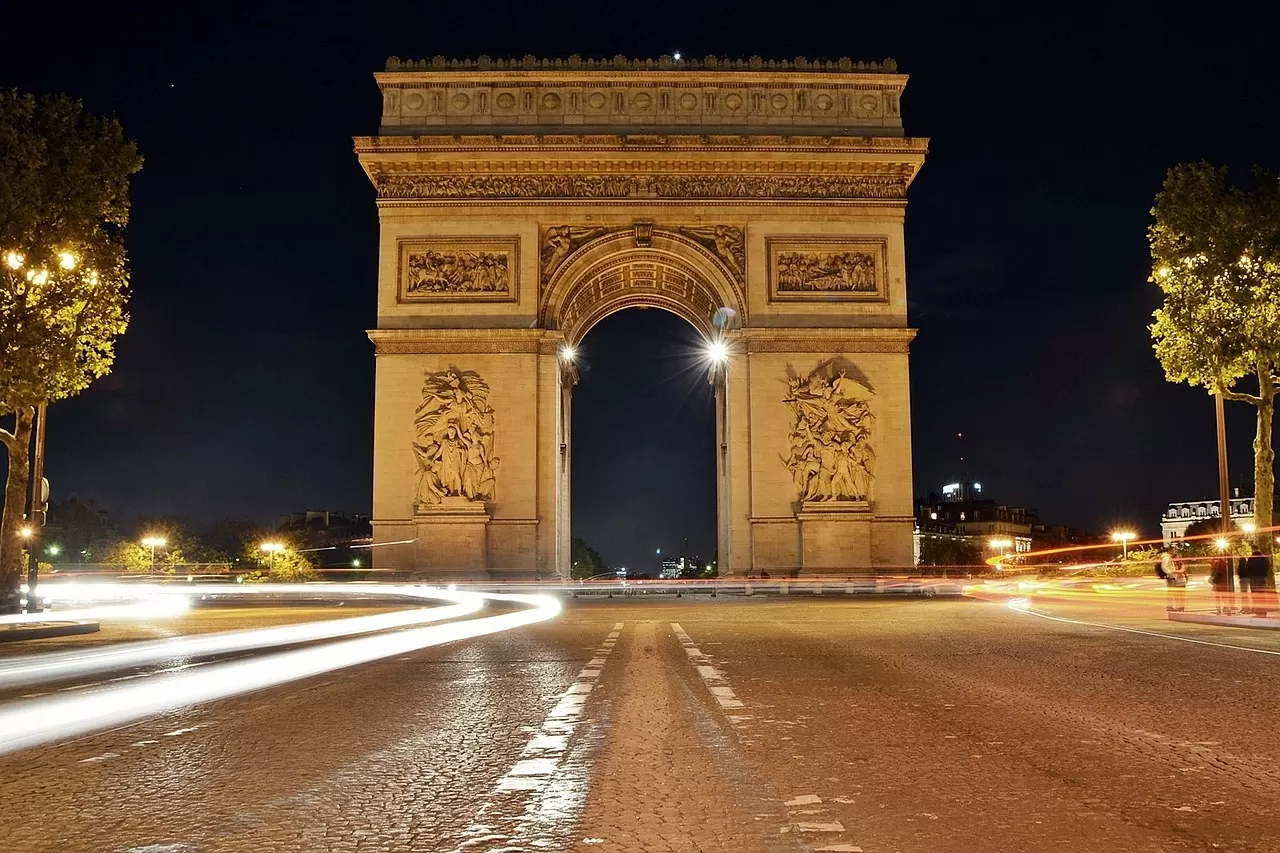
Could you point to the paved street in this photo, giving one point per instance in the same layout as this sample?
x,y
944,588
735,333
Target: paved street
x,y
733,724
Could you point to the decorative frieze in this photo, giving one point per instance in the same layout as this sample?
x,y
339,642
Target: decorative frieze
x,y
639,186
826,269
458,269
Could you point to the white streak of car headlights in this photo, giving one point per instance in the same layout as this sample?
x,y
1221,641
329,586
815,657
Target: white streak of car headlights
x,y
157,608
34,669
55,718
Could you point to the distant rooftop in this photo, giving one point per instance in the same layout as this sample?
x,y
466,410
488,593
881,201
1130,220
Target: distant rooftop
x,y
624,63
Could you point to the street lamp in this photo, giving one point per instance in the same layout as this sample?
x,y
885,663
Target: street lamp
x,y
1124,537
26,532
1249,528
1222,543
1001,545
272,548
153,542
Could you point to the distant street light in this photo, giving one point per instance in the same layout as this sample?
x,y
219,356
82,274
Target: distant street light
x,y
272,548
153,542
1001,545
1124,537
1249,528
26,532
1222,543
717,352
53,550
568,353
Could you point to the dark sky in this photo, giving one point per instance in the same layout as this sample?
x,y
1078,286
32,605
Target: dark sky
x,y
244,385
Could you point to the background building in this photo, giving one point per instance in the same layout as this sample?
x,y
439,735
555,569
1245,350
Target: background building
x,y
961,526
1180,515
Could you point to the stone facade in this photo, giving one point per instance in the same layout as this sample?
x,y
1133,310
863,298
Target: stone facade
x,y
518,209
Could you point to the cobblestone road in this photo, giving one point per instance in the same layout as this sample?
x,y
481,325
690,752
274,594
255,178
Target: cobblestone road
x,y
707,725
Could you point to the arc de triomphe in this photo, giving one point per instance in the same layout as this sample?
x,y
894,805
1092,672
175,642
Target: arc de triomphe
x,y
522,201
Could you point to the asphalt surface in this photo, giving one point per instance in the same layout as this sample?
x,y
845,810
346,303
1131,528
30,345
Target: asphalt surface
x,y
731,724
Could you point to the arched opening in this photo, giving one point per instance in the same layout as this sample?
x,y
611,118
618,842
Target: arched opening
x,y
643,469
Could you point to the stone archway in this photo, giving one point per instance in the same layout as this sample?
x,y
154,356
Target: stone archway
x,y
631,267
639,267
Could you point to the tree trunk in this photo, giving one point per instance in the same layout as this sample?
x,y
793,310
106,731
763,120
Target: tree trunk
x,y
15,506
1264,475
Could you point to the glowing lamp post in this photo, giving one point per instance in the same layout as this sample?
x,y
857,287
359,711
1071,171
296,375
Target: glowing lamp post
x,y
1001,545
1124,537
272,548
153,542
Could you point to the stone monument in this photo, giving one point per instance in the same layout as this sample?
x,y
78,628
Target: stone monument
x,y
522,201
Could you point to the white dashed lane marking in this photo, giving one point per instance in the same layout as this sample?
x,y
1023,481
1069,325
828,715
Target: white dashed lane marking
x,y
712,677
530,788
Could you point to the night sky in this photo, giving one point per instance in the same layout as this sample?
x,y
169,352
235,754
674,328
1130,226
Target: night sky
x,y
244,386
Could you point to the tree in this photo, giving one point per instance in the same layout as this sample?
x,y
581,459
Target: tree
x,y
64,182
285,565
230,537
949,551
1215,252
587,561
80,528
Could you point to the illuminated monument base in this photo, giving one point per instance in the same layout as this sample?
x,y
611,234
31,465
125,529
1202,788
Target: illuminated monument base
x,y
521,204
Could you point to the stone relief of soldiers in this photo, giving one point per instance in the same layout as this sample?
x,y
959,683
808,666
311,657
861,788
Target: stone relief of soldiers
x,y
454,439
831,458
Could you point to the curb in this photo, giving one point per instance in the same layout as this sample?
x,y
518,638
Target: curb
x,y
47,630
1254,622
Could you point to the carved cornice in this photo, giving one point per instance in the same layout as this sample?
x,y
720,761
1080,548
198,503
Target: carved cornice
x,y
588,142
837,341
640,186
622,166
529,62
446,341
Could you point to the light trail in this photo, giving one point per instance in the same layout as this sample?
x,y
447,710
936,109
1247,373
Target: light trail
x,y
155,609
56,718
38,668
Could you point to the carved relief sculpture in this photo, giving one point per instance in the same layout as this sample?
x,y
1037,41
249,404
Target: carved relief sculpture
x,y
454,439
827,269
831,456
726,241
457,269
818,271
559,241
